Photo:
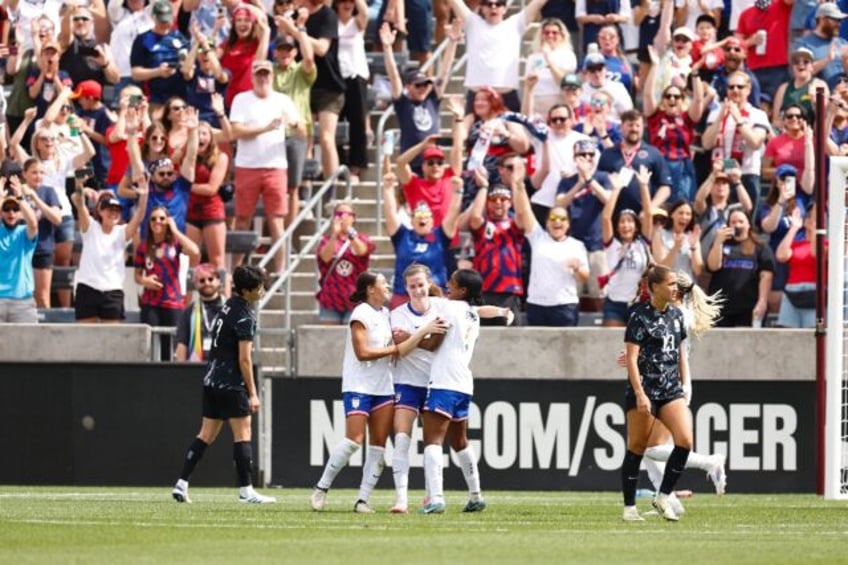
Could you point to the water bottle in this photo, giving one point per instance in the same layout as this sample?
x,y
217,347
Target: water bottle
x,y
644,493
389,143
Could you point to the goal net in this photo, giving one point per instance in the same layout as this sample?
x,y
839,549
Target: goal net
x,y
836,421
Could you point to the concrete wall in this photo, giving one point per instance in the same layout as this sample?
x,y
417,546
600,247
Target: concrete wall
x,y
60,343
590,353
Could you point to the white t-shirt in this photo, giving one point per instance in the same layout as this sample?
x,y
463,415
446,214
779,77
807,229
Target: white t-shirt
x,y
493,51
451,368
102,258
414,369
266,150
562,58
624,284
55,173
352,59
551,281
621,101
561,159
731,145
368,377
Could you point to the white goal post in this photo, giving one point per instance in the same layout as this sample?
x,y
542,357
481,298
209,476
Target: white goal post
x,y
836,419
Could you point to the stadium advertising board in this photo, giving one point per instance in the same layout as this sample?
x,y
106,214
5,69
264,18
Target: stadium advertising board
x,y
569,435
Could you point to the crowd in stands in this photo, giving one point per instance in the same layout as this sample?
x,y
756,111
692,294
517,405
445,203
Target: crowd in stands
x,y
568,166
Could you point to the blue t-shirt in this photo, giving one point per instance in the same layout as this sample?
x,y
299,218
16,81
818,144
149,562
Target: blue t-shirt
x,y
149,50
46,230
428,250
16,251
584,211
612,161
175,200
199,92
417,120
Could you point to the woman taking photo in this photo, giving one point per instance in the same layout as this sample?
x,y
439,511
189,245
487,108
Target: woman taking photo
x,y
100,277
797,305
742,270
678,244
657,367
627,250
559,263
157,271
343,255
367,387
713,201
549,63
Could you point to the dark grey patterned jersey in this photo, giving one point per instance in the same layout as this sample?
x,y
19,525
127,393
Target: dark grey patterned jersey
x,y
235,322
658,335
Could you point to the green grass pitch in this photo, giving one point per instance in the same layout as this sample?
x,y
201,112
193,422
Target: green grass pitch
x,y
143,525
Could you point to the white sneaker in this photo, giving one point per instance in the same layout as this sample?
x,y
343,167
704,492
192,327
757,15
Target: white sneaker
x,y
400,507
631,514
255,498
676,505
717,474
180,493
663,506
318,499
361,507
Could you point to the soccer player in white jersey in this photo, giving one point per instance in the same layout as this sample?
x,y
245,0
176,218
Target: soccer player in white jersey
x,y
451,387
412,373
367,386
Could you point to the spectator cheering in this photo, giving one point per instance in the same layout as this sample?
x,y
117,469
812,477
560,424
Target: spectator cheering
x,y
156,55
17,246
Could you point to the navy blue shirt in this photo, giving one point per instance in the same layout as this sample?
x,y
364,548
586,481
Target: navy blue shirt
x,y
46,229
150,50
585,210
612,161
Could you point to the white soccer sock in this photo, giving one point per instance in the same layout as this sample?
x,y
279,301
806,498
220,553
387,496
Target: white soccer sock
x,y
433,472
338,459
656,470
371,471
699,461
400,467
468,463
659,452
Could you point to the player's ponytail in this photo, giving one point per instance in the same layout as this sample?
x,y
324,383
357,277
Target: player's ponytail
x,y
365,280
472,282
706,308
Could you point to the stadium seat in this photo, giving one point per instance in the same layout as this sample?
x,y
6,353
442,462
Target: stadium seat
x,y
242,242
56,316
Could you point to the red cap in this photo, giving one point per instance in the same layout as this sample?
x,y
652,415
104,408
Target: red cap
x,y
88,88
733,41
433,153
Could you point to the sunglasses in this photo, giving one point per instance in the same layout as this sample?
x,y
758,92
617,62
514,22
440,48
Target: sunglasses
x,y
110,208
681,39
177,108
343,213
166,174
499,199
422,214
47,138
840,80
559,119
597,101
672,96
557,218
76,19
421,85
737,86
792,116
733,49
586,155
206,280
157,138
11,208
434,162
551,32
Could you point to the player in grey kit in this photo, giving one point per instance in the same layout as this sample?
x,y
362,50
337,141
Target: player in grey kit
x,y
229,390
657,366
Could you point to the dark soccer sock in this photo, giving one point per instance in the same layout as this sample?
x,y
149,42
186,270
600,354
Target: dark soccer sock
x,y
674,468
192,457
243,456
630,477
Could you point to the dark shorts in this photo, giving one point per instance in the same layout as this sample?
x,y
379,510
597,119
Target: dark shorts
x,y
64,231
419,14
295,157
200,224
42,261
91,303
225,404
326,101
410,397
630,402
615,310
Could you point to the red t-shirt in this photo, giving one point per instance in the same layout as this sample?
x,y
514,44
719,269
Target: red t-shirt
x,y
120,158
802,264
713,59
783,149
775,22
238,60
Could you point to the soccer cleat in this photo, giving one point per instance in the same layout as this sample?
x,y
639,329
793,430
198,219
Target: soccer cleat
x,y
361,507
475,505
318,499
180,494
433,508
676,505
399,508
256,498
631,514
663,506
717,474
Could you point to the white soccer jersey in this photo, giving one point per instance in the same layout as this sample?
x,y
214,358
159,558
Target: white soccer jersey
x,y
451,365
368,377
414,369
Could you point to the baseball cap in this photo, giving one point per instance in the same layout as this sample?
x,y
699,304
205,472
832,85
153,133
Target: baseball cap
x,y
785,170
594,60
285,41
433,153
659,212
51,44
88,88
830,10
262,66
571,80
108,202
733,41
417,77
163,11
802,52
683,31
585,146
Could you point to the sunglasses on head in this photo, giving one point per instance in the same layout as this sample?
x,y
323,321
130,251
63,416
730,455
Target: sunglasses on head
x,y
434,162
736,86
557,218
559,119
